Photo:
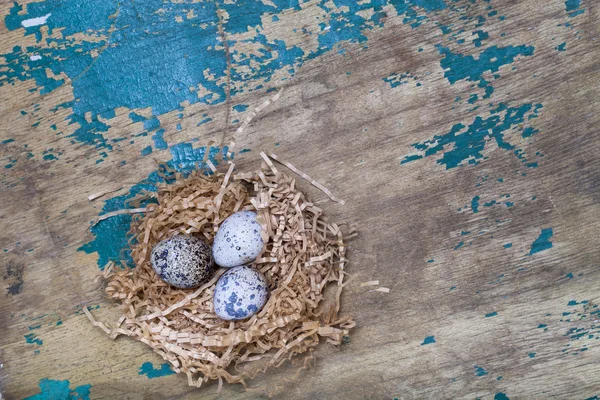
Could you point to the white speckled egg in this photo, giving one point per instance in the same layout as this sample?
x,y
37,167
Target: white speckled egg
x,y
240,293
183,261
238,240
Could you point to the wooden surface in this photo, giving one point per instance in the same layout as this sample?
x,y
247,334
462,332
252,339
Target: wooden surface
x,y
486,235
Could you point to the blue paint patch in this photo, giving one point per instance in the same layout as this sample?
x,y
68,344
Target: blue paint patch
x,y
395,80
31,338
481,36
159,142
531,355
479,371
146,151
507,245
240,107
59,390
458,67
428,340
458,246
8,141
492,314
475,204
468,142
572,8
151,372
501,396
151,124
561,47
542,242
135,117
569,275
408,159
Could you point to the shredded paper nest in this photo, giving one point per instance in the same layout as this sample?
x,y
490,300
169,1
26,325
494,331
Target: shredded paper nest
x,y
303,256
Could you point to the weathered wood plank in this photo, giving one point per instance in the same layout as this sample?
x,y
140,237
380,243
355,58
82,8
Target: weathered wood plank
x,y
462,135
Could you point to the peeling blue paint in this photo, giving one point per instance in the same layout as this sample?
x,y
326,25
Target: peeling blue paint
x,y
146,151
192,72
428,340
572,8
492,314
152,372
31,338
59,390
468,142
479,371
159,142
395,80
475,204
459,67
542,242
240,107
481,36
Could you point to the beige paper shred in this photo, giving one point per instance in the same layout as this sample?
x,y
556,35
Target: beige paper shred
x,y
381,289
95,196
249,119
211,165
308,178
303,255
369,283
120,212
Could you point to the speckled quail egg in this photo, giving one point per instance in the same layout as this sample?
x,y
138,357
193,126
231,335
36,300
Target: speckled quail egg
x,y
240,293
183,261
238,240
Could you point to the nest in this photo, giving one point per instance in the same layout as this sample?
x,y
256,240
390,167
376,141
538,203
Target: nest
x,y
304,254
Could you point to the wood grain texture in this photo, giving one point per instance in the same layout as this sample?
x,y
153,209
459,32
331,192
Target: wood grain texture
x,y
487,234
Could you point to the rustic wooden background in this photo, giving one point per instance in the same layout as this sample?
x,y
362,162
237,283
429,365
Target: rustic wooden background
x,y
463,135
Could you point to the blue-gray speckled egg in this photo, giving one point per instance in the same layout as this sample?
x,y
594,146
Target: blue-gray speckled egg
x,y
238,240
240,293
183,261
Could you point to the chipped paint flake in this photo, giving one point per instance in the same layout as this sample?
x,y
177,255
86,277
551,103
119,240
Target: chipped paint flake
x,y
28,23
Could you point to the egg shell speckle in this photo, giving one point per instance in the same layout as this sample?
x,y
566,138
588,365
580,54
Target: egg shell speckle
x,y
240,293
238,240
183,261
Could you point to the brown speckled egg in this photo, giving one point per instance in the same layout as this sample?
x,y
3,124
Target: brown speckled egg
x,y
183,261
